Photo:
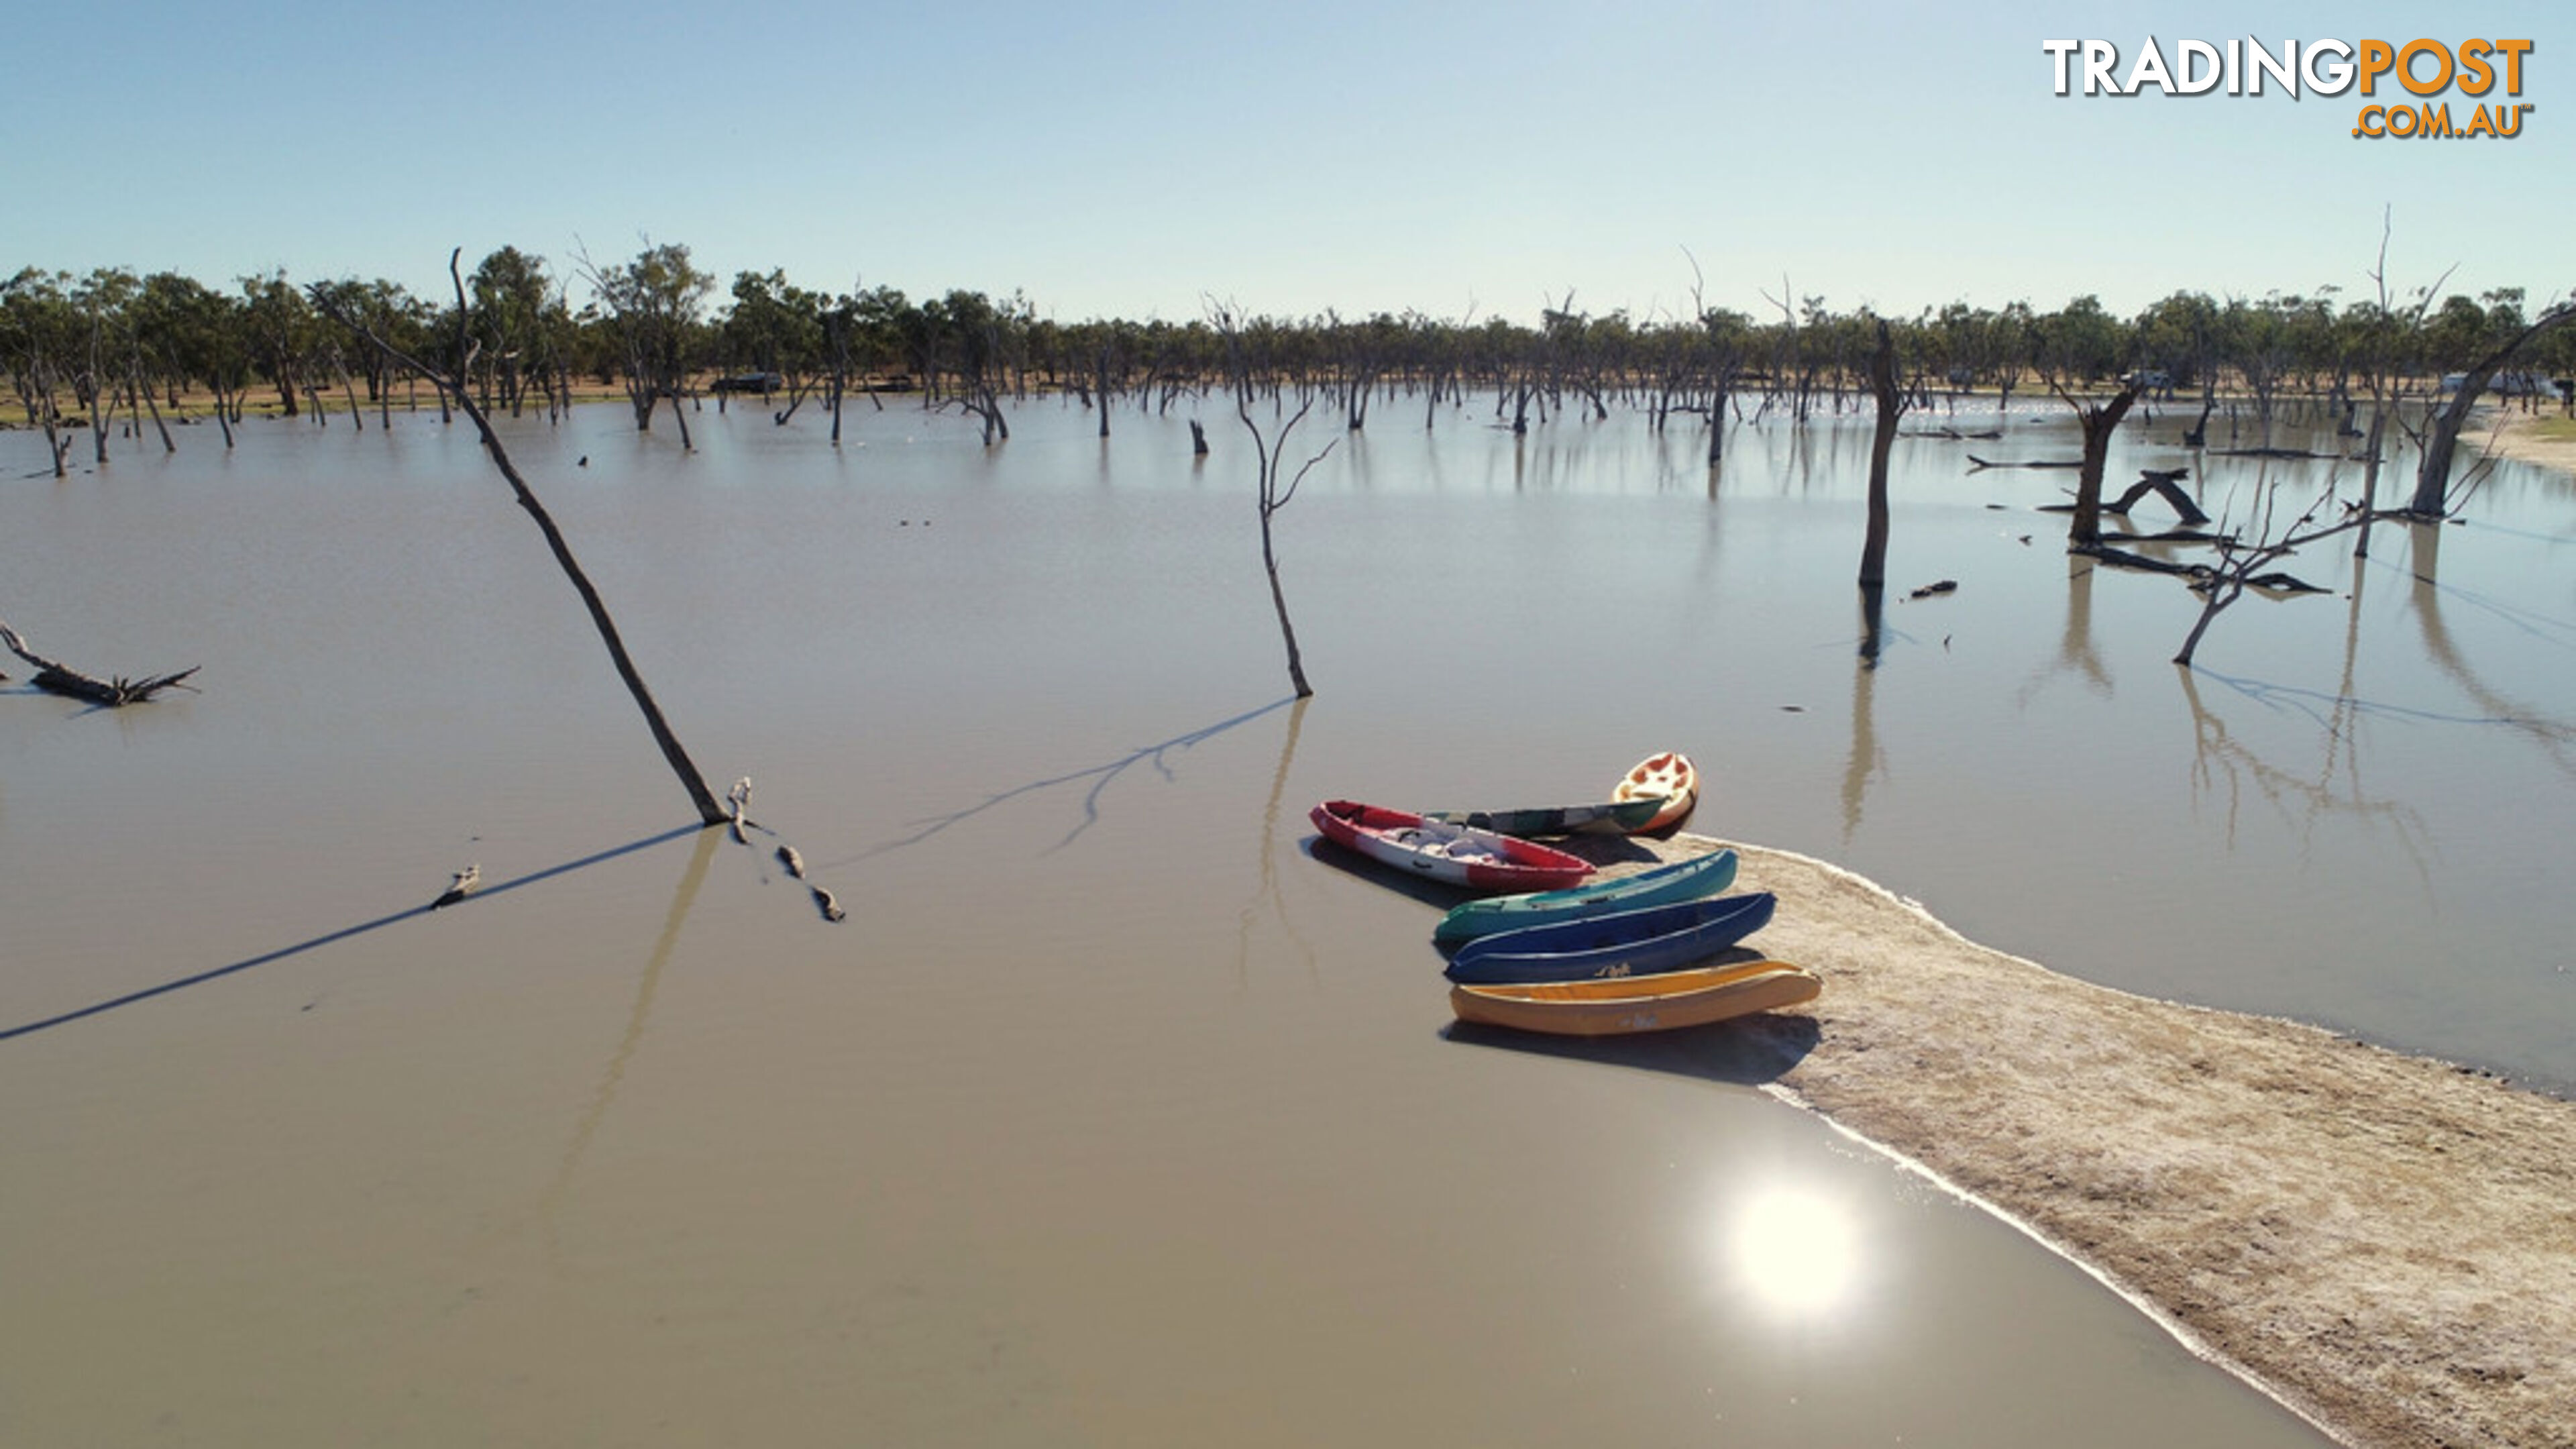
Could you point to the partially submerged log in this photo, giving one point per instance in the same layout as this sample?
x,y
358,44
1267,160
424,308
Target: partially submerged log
x,y
2203,576
56,677
466,882
2036,463
2165,484
2123,559
2293,453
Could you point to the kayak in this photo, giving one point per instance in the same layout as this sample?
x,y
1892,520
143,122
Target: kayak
x,y
1617,817
1618,1005
1459,854
1644,942
1685,880
1669,777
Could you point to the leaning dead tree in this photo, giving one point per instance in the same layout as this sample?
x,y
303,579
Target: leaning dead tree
x,y
55,677
2433,475
454,386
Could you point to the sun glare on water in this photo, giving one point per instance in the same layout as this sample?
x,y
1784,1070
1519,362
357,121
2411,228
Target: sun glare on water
x,y
1797,1252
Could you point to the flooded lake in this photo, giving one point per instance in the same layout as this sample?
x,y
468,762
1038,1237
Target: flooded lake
x,y
1114,1113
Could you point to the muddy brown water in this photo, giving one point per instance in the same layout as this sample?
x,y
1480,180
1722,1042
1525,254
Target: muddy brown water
x,y
1115,1113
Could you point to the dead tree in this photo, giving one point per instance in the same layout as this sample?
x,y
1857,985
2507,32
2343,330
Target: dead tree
x,y
2242,565
2099,420
2165,483
2433,476
56,677
454,386
1268,455
1891,407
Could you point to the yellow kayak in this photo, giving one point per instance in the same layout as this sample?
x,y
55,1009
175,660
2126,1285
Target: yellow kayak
x,y
1616,1005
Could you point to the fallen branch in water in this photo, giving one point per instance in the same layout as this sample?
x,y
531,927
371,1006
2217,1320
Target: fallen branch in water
x,y
2033,463
56,677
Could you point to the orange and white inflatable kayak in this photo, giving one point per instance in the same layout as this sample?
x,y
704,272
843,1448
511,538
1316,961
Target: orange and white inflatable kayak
x,y
1668,776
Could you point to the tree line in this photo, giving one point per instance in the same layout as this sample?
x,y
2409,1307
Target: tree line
x,y
79,351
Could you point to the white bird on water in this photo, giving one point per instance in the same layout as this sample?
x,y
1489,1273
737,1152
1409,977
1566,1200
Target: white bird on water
x,y
467,882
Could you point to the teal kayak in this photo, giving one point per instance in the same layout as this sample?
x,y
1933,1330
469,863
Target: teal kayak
x,y
1621,817
1686,880
1616,943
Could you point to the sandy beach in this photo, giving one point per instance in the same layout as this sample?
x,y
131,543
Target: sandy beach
x,y
2383,1242
2546,438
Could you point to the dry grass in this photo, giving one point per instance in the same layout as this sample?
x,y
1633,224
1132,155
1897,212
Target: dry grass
x,y
2386,1243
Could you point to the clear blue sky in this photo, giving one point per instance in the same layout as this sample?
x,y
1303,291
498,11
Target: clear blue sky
x,y
1133,159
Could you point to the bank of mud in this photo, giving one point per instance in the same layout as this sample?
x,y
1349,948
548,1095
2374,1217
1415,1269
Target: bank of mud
x,y
2386,1243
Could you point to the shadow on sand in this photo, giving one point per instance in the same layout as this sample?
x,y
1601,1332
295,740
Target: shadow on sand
x,y
344,933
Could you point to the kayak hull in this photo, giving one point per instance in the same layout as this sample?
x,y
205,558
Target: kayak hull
x,y
1668,776
1622,1006
1652,941
1615,817
1701,875
1457,854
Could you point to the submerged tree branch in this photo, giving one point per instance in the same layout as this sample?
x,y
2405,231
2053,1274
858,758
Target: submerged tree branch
x,y
55,677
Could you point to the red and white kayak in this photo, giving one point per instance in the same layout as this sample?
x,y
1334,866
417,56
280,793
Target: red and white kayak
x,y
1459,854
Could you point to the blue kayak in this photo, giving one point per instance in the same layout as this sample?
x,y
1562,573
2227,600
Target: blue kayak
x,y
1685,880
1622,943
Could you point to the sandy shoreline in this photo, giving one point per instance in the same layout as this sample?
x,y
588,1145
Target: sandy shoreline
x,y
2385,1243
2512,433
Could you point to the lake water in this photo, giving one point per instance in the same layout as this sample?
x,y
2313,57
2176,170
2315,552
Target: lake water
x,y
1112,1113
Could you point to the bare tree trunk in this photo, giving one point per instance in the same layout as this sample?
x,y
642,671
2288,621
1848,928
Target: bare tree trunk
x,y
349,389
1279,602
149,401
1891,406
2433,477
2100,421
2370,471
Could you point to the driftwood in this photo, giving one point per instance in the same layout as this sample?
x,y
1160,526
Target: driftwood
x,y
2170,535
2035,463
2123,559
2282,453
2164,483
1953,434
56,677
1934,590
2203,576
467,882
